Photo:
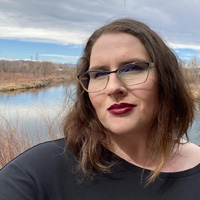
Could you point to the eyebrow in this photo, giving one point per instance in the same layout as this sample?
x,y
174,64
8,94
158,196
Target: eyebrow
x,y
133,60
93,68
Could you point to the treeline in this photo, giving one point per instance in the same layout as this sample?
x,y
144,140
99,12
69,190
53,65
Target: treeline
x,y
36,68
45,68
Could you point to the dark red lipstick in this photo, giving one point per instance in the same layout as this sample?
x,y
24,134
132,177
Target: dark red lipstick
x,y
119,109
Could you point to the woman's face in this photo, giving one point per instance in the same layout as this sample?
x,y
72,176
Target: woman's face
x,y
123,110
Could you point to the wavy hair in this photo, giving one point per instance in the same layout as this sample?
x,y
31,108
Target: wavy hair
x,y
83,131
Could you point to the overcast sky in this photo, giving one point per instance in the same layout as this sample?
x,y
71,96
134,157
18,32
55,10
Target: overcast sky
x,y
68,23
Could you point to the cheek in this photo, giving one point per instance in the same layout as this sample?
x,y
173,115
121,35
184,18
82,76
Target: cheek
x,y
98,106
151,100
96,101
148,95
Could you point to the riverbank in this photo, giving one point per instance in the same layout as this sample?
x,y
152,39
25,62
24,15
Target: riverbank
x,y
20,81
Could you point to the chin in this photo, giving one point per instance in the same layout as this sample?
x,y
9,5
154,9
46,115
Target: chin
x,y
120,132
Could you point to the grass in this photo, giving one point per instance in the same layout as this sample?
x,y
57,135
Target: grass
x,y
19,81
15,138
195,89
193,79
9,144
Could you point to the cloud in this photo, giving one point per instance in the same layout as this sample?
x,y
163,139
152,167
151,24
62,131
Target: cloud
x,y
61,58
72,21
43,35
184,46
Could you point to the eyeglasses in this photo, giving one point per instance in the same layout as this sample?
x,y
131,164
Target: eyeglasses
x,y
130,74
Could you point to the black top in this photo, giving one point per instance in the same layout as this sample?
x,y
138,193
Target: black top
x,y
44,172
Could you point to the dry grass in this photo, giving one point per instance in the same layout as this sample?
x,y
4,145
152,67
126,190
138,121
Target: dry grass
x,y
193,79
14,139
12,143
195,90
19,81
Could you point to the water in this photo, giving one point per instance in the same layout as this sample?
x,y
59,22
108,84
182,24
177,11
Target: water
x,y
194,131
41,111
37,112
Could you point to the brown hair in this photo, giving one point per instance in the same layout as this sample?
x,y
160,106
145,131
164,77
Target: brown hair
x,y
84,132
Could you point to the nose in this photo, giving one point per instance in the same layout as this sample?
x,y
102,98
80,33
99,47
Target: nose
x,y
115,85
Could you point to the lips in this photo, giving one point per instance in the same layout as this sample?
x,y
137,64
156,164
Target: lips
x,y
122,108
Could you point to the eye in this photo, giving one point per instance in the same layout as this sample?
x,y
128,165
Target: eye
x,y
134,68
97,74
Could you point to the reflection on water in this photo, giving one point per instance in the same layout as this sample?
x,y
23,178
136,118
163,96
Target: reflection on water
x,y
39,111
36,112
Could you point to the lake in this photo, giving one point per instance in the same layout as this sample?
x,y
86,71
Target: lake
x,y
41,111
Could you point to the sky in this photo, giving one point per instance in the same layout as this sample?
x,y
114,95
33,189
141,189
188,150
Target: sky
x,y
57,30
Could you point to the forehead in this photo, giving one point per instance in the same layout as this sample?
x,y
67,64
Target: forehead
x,y
118,46
116,39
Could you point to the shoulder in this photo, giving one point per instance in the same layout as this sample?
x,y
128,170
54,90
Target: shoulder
x,y
42,149
47,155
40,169
190,152
187,156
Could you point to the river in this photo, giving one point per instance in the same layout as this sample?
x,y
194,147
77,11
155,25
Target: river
x,y
41,111
36,113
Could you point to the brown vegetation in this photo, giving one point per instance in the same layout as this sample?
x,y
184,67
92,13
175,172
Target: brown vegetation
x,y
14,139
192,73
19,75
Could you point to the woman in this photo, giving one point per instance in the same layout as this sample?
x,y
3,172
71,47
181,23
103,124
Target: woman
x,y
123,135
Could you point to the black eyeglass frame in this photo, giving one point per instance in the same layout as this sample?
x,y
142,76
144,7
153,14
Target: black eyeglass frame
x,y
150,65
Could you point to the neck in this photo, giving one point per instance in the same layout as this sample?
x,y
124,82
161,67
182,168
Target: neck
x,y
132,149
